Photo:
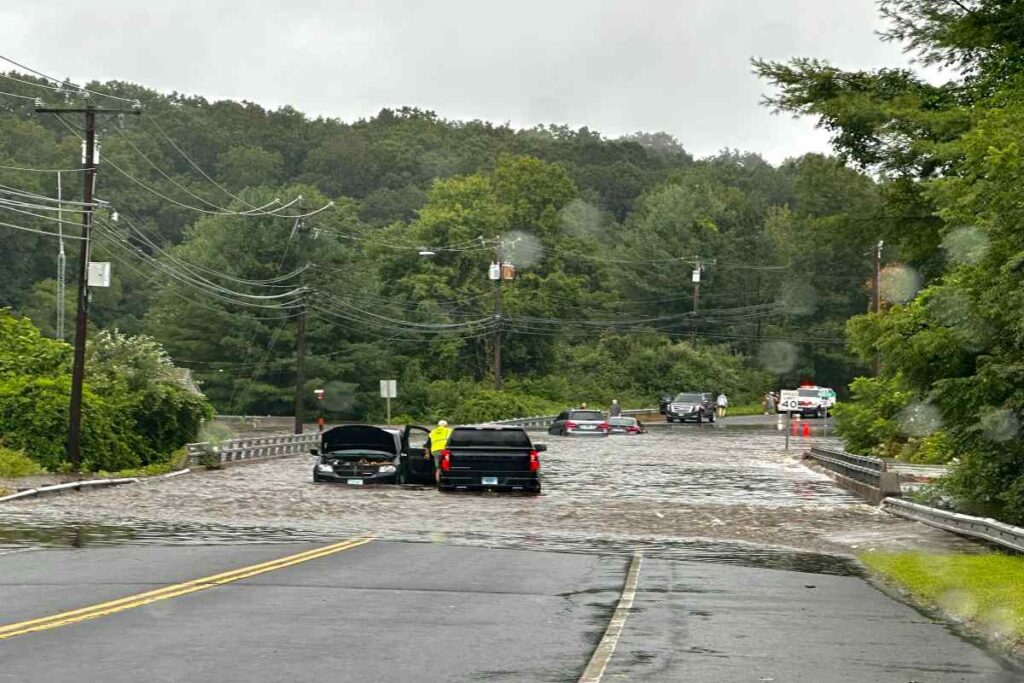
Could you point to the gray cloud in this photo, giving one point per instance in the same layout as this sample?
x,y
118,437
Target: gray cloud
x,y
616,66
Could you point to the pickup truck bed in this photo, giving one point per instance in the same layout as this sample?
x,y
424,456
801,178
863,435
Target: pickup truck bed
x,y
490,466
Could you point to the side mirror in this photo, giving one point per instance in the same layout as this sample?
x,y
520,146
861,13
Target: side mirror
x,y
313,451
540,447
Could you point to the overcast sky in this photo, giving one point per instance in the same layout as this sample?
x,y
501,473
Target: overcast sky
x,y
616,66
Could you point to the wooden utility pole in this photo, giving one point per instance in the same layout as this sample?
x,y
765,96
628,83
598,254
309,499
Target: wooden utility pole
x,y
73,446
300,366
299,232
497,318
876,299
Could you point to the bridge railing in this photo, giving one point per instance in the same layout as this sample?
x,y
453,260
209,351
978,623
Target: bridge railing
x,y
866,476
983,528
254,448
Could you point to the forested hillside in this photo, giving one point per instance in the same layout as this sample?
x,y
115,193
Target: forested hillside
x,y
223,219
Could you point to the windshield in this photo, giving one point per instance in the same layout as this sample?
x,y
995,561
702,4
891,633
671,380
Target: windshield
x,y
510,438
689,398
622,421
586,415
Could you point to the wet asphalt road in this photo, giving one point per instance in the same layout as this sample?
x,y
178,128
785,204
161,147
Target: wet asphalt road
x,y
744,576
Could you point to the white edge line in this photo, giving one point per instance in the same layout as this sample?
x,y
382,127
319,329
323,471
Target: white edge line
x,y
606,648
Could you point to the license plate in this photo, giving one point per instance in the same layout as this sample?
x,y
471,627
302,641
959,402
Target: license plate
x,y
354,482
586,426
489,481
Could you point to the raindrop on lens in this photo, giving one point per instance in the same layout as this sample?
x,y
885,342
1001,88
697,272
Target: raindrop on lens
x,y
521,249
999,425
581,219
778,357
919,419
899,284
966,245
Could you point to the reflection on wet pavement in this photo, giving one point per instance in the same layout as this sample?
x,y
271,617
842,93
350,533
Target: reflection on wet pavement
x,y
697,493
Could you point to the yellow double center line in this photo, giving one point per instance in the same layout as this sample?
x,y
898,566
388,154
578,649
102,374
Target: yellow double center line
x,y
173,591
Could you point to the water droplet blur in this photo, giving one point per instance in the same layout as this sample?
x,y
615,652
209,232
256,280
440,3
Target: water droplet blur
x,y
215,433
339,396
778,357
799,300
919,419
581,219
999,425
966,245
899,284
521,248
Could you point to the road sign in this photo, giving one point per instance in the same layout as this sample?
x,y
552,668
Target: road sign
x,y
389,388
789,399
99,273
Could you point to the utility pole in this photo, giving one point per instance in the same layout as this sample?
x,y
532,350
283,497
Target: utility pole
x,y
300,365
74,450
696,283
497,318
61,261
876,299
299,232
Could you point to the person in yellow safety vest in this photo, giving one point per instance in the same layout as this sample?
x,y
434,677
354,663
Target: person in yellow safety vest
x,y
438,438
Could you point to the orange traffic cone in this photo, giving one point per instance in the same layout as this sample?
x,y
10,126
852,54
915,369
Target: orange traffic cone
x,y
807,428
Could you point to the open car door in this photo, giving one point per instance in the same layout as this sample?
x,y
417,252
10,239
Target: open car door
x,y
417,467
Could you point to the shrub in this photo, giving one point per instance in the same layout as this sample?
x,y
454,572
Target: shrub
x,y
34,415
17,464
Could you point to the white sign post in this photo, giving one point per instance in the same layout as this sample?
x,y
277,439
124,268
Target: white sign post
x,y
789,400
388,391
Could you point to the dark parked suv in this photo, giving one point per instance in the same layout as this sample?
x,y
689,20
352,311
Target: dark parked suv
x,y
697,407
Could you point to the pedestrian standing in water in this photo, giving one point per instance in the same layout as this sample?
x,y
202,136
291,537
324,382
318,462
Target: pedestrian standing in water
x,y
615,410
721,404
769,403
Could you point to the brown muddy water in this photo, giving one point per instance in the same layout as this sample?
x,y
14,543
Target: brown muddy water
x,y
694,492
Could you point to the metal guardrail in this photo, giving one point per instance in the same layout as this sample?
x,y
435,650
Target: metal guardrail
x,y
258,448
986,529
862,468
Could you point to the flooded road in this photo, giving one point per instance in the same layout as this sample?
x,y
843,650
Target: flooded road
x,y
712,493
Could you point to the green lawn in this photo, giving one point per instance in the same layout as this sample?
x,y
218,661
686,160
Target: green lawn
x,y
985,590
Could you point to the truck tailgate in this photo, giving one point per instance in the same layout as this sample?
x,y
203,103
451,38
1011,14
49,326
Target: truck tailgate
x,y
484,459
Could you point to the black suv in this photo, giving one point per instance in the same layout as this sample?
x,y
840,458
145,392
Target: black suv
x,y
691,406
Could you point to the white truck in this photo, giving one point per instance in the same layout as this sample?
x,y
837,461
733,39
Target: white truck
x,y
807,401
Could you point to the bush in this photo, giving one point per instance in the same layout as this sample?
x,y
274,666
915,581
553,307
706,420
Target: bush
x,y
867,423
34,416
17,464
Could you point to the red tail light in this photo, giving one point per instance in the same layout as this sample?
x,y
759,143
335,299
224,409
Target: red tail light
x,y
446,460
569,424
605,426
633,430
534,461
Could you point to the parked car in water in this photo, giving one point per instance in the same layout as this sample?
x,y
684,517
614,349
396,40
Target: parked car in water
x,y
490,457
694,406
580,422
626,425
358,455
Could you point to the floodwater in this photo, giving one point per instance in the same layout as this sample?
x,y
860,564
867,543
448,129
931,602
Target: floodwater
x,y
688,492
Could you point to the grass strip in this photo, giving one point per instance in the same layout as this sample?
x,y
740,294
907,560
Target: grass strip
x,y
984,591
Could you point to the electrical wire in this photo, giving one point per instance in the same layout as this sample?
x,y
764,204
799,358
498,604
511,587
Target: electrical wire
x,y
40,232
67,83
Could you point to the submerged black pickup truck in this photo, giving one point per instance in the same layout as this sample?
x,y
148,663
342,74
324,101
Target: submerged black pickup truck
x,y
490,457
